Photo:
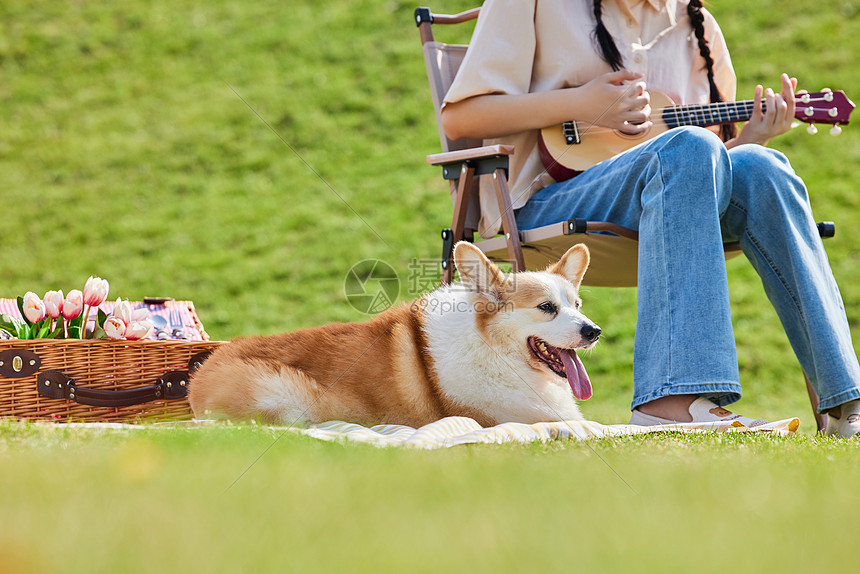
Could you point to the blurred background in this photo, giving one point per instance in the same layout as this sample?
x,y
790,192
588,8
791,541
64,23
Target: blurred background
x,y
246,155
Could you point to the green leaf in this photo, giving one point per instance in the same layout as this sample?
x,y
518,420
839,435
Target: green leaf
x,y
58,333
43,328
25,331
9,323
21,309
75,327
13,326
101,318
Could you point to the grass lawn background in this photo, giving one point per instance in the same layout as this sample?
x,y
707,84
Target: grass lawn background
x,y
134,145
137,146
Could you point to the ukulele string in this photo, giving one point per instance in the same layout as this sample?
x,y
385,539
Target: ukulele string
x,y
687,113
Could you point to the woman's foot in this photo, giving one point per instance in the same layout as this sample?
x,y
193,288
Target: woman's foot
x,y
686,409
673,407
844,420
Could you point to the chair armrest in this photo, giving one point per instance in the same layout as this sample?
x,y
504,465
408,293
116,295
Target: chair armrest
x,y
456,18
469,154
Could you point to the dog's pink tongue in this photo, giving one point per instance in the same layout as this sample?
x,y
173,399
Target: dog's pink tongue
x,y
580,384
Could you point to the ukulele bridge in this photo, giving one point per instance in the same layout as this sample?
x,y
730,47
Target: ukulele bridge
x,y
571,133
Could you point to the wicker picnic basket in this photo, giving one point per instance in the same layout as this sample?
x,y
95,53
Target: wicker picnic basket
x,y
66,380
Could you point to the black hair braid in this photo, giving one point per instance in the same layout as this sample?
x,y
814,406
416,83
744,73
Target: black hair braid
x,y
608,49
697,21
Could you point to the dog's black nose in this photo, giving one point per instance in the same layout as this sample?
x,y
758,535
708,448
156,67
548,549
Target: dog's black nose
x,y
590,332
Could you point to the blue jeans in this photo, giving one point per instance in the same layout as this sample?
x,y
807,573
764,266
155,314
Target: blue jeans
x,y
686,194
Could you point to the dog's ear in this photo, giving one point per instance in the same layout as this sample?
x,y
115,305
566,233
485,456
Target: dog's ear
x,y
476,271
573,264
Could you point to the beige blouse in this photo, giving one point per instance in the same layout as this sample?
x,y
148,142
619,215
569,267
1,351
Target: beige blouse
x,y
522,46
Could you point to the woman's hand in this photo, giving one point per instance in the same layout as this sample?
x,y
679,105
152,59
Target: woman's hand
x,y
776,118
617,100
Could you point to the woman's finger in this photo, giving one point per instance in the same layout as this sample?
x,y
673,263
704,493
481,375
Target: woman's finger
x,y
770,111
620,77
635,128
639,116
639,102
757,104
781,113
789,85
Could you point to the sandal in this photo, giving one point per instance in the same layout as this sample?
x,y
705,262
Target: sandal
x,y
704,411
847,423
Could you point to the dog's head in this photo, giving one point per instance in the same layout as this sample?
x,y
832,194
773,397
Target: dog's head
x,y
533,315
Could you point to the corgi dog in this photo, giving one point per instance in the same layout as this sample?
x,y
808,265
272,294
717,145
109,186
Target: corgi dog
x,y
496,347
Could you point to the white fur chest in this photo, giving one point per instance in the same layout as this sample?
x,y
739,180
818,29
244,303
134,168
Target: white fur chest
x,y
489,372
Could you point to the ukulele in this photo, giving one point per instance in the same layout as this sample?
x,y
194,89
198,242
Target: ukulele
x,y
569,149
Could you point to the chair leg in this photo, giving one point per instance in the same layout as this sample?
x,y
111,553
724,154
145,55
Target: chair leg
x,y
820,419
465,188
509,223
447,250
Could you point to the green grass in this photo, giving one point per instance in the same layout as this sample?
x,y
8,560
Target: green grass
x,y
245,156
169,500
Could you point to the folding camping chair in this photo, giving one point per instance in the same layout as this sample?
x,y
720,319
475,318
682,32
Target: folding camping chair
x,y
614,248
614,256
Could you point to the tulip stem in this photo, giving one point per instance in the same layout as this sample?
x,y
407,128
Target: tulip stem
x,y
84,324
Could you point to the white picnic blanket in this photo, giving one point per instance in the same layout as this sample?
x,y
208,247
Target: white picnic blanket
x,y
453,431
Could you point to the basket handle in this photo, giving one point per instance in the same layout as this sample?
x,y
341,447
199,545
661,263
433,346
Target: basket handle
x,y
55,384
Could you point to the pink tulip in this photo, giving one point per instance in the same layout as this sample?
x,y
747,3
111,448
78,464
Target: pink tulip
x,y
122,310
34,307
73,305
114,327
95,291
138,330
54,303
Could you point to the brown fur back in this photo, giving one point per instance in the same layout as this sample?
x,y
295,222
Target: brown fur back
x,y
374,372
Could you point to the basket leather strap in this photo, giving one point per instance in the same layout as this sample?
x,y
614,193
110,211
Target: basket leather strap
x,y
55,384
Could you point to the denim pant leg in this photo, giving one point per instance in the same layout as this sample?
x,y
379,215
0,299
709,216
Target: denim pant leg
x,y
673,190
769,213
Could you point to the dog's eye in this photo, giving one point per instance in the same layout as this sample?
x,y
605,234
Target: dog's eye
x,y
548,307
577,304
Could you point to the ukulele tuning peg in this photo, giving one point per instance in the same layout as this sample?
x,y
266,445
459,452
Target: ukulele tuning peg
x,y
835,131
811,129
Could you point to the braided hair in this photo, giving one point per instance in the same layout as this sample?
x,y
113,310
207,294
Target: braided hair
x,y
609,52
608,49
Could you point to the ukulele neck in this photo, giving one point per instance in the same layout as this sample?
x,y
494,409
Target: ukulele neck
x,y
705,115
